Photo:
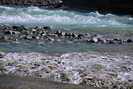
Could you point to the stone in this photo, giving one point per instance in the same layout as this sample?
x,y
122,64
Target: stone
x,y
2,54
129,41
58,33
16,33
40,3
80,36
118,40
28,37
103,41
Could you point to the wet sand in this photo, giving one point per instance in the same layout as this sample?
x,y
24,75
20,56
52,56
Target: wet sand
x,y
15,82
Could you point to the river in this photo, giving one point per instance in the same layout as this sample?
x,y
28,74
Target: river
x,y
79,21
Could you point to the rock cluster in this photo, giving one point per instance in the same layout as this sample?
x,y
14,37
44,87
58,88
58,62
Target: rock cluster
x,y
18,33
44,3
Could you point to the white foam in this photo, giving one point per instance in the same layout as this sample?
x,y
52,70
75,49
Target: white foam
x,y
75,67
35,15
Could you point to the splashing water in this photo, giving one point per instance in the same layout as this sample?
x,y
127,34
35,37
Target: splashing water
x,y
70,20
61,18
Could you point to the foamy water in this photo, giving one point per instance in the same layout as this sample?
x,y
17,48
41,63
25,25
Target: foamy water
x,y
74,21
72,67
61,18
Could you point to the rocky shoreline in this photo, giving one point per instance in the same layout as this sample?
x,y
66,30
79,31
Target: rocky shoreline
x,y
46,34
103,6
16,82
39,3
93,69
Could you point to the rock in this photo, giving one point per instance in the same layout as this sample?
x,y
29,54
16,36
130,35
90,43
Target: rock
x,y
10,32
67,35
58,33
44,3
47,28
94,40
80,36
103,41
15,33
73,35
129,41
29,37
110,41
2,54
117,40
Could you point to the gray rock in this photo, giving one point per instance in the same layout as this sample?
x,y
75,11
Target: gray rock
x,y
44,3
2,54
129,41
14,33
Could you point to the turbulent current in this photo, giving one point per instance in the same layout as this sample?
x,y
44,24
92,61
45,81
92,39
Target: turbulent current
x,y
59,18
78,63
109,25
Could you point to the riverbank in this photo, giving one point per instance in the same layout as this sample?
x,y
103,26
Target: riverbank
x,y
120,7
15,82
39,3
93,69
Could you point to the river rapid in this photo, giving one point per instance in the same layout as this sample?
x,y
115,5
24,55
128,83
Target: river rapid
x,y
77,63
109,25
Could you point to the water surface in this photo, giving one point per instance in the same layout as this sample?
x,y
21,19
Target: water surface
x,y
109,25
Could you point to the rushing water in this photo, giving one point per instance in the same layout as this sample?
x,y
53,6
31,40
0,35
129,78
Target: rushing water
x,y
58,18
69,20
76,66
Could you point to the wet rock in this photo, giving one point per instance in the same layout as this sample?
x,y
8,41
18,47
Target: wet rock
x,y
67,35
118,41
2,39
97,39
73,35
2,54
46,28
94,40
58,33
129,41
80,36
40,3
15,33
29,37
103,41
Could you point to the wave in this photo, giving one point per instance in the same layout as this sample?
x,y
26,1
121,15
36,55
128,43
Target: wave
x,y
37,16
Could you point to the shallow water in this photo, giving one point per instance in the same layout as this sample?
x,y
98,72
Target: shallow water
x,y
108,25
